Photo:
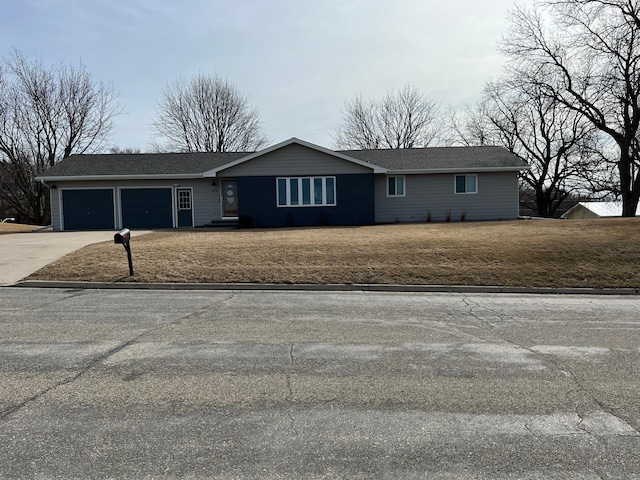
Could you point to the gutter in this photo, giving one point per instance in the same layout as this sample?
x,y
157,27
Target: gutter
x,y
459,170
66,178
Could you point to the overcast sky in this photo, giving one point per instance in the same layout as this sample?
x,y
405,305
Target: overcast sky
x,y
296,60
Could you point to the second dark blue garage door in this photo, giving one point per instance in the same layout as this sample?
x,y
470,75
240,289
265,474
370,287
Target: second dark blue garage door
x,y
146,208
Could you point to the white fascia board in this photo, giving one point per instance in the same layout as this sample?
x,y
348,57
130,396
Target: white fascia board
x,y
79,178
214,172
458,170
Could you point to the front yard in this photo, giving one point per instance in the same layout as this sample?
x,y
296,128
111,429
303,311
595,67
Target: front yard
x,y
573,253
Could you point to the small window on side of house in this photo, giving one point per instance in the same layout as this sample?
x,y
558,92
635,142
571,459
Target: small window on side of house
x,y
396,186
466,184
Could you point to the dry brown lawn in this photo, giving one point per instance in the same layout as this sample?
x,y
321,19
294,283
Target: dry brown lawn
x,y
16,228
573,253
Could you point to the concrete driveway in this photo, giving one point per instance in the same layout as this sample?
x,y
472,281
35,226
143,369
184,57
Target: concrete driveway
x,y
21,254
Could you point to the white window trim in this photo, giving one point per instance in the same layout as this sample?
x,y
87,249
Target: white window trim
x,y
189,196
404,183
465,175
287,203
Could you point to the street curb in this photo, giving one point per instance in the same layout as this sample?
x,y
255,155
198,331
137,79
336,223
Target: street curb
x,y
356,287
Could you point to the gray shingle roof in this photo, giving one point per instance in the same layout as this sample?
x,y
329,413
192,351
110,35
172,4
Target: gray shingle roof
x,y
141,164
196,163
439,157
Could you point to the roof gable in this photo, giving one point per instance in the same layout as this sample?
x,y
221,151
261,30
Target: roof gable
x,y
601,209
363,163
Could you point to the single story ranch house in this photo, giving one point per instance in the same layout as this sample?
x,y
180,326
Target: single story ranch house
x,y
293,183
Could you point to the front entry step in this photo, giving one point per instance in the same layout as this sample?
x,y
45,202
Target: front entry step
x,y
222,224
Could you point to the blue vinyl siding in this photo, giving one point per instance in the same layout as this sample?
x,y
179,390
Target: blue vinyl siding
x,y
353,193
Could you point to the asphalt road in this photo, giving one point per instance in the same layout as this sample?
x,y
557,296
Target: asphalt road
x,y
98,384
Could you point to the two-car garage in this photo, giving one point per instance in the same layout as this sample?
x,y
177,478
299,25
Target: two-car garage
x,y
98,209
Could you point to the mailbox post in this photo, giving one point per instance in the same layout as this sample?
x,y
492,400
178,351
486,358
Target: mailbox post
x,y
123,237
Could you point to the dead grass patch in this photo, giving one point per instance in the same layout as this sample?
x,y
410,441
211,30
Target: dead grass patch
x,y
578,253
16,228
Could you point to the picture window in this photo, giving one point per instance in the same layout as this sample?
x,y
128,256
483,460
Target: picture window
x,y
306,191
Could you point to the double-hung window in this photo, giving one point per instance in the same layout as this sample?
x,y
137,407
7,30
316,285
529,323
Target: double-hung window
x,y
466,184
306,191
396,186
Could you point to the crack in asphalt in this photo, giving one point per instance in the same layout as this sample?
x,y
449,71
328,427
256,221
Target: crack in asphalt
x,y
14,408
591,396
6,412
528,429
288,375
553,361
72,293
293,423
290,389
471,305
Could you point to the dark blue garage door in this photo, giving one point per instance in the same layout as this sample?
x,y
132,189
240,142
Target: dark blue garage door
x,y
146,208
87,209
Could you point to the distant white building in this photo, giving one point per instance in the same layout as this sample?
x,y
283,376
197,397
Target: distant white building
x,y
595,210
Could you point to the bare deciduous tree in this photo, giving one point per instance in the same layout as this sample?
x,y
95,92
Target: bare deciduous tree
x,y
116,150
589,61
472,127
208,114
562,148
402,119
46,114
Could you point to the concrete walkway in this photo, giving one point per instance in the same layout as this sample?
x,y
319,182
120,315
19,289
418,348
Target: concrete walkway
x,y
21,254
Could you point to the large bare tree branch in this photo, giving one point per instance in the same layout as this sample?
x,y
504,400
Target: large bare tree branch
x,y
208,114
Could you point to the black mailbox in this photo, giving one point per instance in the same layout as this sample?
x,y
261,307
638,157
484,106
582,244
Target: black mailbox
x,y
123,236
